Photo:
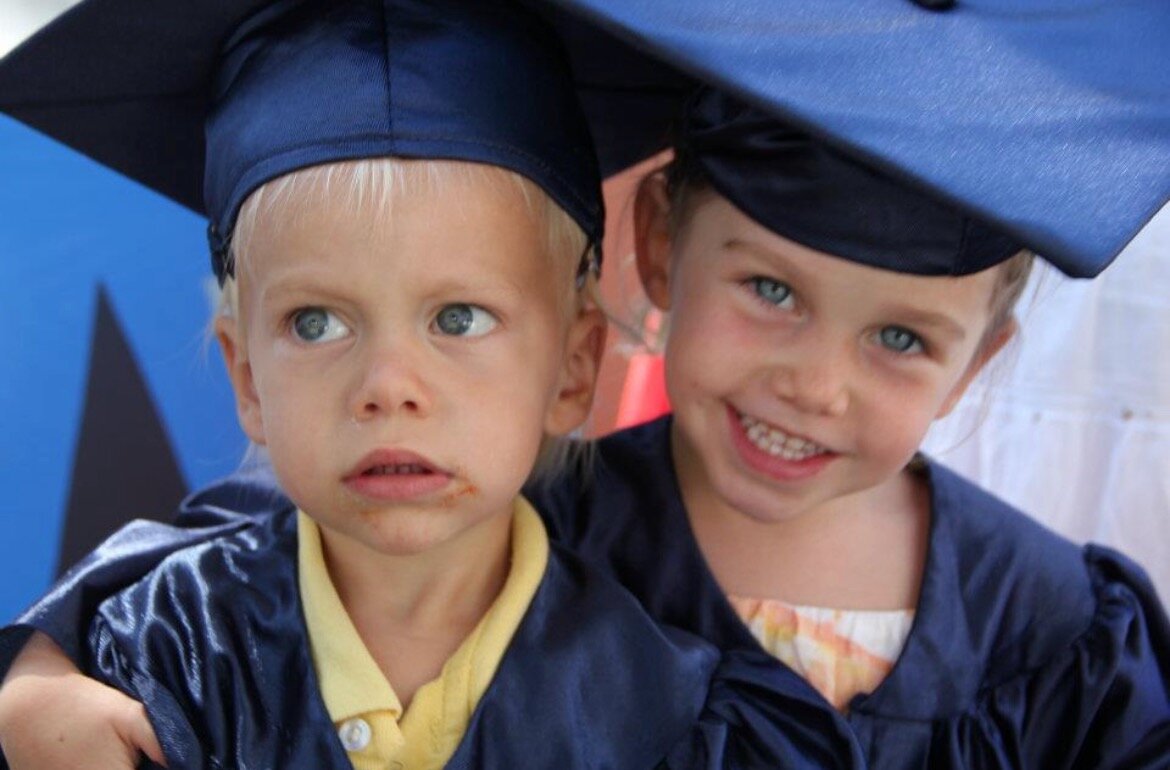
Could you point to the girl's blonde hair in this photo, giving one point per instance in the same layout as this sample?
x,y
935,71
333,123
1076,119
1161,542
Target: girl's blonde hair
x,y
1009,287
375,182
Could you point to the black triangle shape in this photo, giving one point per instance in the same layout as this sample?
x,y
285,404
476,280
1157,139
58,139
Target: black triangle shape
x,y
124,466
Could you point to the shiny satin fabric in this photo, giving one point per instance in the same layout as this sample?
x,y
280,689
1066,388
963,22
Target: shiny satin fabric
x,y
1027,651
819,198
1048,118
205,102
305,83
214,644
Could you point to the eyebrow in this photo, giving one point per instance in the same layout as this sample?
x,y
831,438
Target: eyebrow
x,y
766,253
296,284
293,285
912,316
944,324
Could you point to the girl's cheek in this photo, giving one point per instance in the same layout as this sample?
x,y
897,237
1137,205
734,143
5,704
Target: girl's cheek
x,y
730,322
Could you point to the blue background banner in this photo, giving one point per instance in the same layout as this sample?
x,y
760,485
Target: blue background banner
x,y
81,245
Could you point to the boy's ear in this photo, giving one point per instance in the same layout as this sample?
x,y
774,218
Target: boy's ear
x,y
235,358
986,352
652,242
585,344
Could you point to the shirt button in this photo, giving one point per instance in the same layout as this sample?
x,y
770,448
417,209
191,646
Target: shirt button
x,y
354,734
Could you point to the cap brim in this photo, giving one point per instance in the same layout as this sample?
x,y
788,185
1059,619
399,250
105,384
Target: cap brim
x,y
131,95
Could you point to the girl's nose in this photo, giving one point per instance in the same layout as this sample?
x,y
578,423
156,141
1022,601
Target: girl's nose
x,y
390,382
817,384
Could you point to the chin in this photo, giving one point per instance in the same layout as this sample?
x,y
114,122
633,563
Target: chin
x,y
768,500
397,538
764,506
412,543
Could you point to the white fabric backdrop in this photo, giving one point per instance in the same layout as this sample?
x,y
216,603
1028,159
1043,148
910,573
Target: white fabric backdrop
x,y
1073,425
20,18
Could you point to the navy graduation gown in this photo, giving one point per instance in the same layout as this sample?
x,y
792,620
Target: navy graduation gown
x,y
214,643
1026,651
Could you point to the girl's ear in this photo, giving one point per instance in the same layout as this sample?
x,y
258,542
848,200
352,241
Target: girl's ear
x,y
986,352
585,344
652,242
235,357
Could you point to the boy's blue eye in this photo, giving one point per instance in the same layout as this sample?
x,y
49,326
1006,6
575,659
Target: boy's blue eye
x,y
316,324
900,340
462,320
770,290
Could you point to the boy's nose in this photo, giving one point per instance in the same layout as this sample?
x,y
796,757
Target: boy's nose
x,y
390,383
817,384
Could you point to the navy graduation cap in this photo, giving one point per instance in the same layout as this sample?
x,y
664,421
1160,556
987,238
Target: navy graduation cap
x,y
1049,119
809,192
205,102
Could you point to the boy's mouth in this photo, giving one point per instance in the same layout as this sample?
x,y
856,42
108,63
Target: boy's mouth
x,y
768,438
396,475
393,462
406,469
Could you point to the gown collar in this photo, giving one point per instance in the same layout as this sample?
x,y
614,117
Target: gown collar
x,y
973,623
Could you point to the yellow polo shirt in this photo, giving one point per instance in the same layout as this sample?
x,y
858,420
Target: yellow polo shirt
x,y
369,717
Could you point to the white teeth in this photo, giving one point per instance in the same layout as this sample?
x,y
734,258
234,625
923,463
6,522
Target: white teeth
x,y
778,443
396,470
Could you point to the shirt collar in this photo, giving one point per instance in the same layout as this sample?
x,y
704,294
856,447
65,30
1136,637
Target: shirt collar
x,y
350,680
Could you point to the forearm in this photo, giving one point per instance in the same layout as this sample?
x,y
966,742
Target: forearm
x,y
65,612
54,716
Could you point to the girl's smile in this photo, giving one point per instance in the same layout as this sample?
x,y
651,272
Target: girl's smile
x,y
801,382
774,452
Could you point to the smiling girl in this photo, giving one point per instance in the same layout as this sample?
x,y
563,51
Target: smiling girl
x,y
822,315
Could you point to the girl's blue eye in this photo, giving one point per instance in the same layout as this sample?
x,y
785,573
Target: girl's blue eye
x,y
900,340
462,320
770,290
316,325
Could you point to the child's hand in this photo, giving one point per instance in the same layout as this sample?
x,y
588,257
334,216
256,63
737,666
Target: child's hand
x,y
53,717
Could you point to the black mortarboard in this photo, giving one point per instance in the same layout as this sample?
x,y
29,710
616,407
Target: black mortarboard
x,y
803,189
268,88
